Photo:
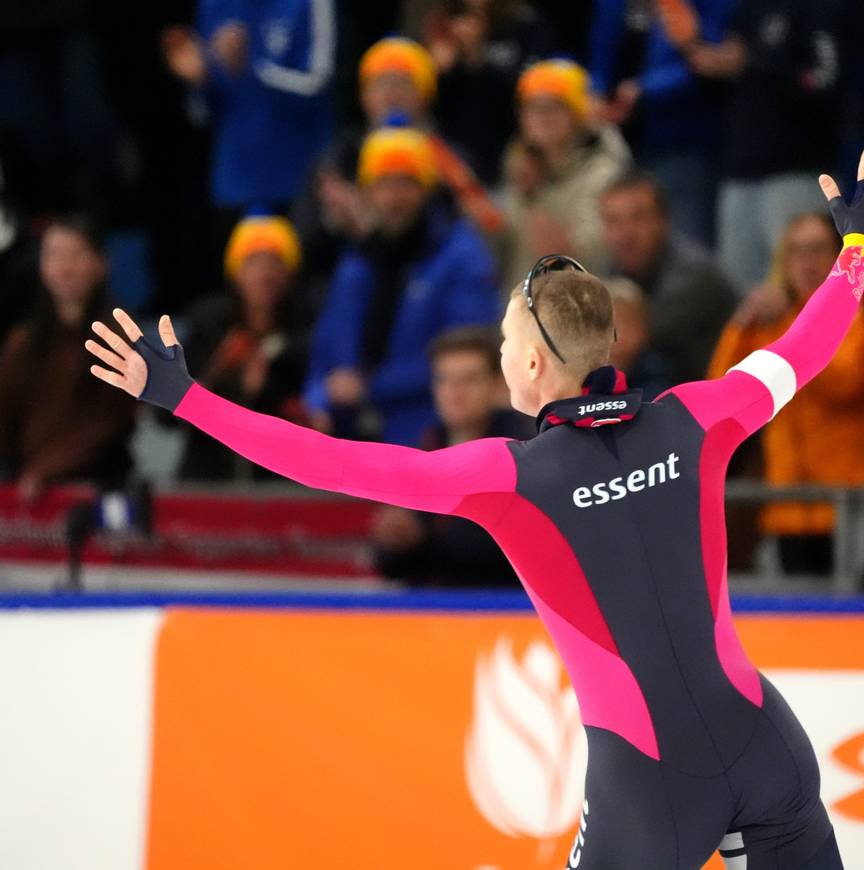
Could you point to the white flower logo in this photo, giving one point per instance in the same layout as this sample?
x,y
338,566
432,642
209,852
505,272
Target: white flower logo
x,y
526,751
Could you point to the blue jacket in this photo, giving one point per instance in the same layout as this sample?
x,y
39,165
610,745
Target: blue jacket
x,y
675,110
453,283
271,121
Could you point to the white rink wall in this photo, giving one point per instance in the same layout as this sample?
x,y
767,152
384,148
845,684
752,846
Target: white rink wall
x,y
75,738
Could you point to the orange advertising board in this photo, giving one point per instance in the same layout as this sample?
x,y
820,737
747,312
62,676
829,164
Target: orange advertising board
x,y
385,741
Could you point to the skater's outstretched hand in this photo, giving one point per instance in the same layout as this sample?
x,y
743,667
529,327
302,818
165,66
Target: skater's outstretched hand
x,y
155,375
848,218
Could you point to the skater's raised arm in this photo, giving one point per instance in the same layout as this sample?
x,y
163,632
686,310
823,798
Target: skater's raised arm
x,y
755,389
471,479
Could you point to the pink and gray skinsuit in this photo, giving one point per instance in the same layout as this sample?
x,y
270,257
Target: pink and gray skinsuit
x,y
618,534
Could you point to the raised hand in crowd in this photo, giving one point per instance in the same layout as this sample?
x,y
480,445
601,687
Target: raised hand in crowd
x,y
183,51
455,38
230,46
240,350
343,206
680,21
619,109
722,60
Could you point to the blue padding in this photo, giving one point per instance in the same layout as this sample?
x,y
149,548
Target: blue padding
x,y
415,600
796,604
467,601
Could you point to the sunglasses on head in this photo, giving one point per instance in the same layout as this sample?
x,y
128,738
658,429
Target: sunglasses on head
x,y
549,263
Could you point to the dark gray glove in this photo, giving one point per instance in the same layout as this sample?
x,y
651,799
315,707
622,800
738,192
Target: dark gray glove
x,y
168,379
849,219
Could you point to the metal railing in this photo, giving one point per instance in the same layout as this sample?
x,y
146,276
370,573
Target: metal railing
x,y
848,534
767,575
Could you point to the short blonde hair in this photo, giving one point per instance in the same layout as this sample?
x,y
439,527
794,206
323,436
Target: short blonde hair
x,y
576,310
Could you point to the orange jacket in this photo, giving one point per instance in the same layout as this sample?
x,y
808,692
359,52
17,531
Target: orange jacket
x,y
817,437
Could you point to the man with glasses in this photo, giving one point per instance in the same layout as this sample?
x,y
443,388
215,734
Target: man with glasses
x,y
613,518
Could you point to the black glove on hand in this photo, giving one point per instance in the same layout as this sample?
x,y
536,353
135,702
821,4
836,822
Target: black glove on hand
x,y
849,218
168,379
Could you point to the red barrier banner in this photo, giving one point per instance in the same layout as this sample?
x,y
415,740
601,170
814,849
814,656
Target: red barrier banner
x,y
308,537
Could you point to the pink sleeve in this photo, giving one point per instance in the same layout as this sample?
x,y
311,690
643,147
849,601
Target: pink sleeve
x,y
755,389
468,479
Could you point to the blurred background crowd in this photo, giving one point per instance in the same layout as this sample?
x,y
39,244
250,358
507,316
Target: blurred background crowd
x,y
334,201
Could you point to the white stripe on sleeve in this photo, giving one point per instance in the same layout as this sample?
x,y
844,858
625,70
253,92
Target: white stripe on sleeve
x,y
774,372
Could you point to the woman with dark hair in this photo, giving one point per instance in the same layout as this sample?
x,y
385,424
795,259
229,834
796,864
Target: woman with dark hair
x,y
55,422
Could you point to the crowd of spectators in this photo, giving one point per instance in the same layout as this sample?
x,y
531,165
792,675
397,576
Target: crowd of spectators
x,y
335,201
